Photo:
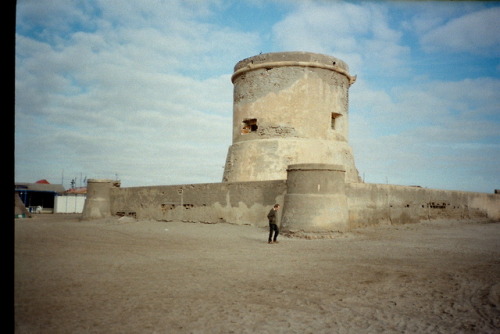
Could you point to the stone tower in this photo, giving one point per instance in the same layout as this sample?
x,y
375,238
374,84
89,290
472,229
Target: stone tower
x,y
289,108
316,200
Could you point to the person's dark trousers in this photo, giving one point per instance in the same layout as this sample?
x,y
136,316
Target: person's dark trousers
x,y
273,227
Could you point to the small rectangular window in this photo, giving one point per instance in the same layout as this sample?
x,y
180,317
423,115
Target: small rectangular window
x,y
334,121
249,125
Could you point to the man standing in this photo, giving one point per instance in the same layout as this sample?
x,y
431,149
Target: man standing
x,y
272,224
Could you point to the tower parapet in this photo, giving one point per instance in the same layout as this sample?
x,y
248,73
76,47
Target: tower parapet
x,y
289,108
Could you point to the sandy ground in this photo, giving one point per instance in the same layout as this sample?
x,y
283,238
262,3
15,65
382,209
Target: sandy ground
x,y
126,276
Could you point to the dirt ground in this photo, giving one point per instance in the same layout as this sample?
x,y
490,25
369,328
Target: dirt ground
x,y
126,276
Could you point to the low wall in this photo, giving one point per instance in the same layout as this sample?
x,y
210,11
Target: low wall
x,y
238,202
378,204
249,202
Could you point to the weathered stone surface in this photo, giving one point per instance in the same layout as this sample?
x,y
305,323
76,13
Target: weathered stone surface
x,y
97,203
315,200
289,108
291,112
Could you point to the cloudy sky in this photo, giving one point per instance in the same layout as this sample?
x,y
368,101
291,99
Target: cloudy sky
x,y
140,90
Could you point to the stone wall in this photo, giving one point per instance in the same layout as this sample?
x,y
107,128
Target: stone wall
x,y
379,204
290,113
247,203
238,202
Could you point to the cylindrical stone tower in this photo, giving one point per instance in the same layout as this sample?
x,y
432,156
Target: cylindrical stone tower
x,y
315,200
289,108
98,202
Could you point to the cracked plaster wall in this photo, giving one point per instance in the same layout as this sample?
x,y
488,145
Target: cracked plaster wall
x,y
292,107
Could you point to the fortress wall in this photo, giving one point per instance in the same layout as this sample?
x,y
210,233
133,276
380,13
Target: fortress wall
x,y
290,114
249,202
379,204
233,202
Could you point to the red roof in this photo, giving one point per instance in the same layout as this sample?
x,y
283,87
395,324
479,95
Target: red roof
x,y
82,190
43,181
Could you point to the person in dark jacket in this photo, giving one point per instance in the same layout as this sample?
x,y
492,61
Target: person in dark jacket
x,y
273,227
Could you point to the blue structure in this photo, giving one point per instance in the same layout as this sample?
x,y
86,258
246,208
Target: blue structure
x,y
35,195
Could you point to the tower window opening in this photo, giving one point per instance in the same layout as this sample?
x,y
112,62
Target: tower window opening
x,y
249,125
334,121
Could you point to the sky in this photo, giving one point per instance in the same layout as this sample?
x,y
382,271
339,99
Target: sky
x,y
140,90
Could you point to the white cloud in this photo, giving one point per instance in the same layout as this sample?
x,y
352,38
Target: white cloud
x,y
142,89
476,33
144,101
355,33
435,135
